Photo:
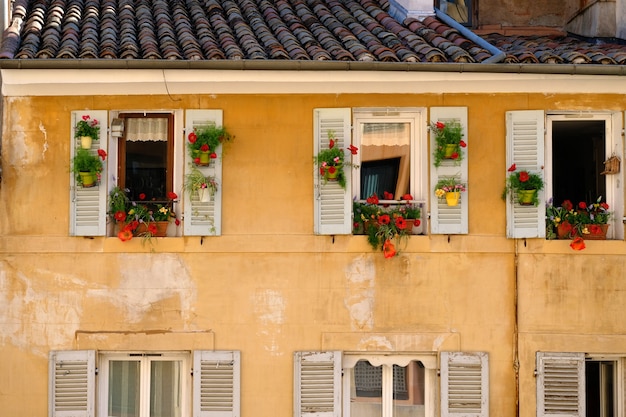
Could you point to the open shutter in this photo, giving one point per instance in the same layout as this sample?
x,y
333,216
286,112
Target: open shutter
x,y
446,219
200,218
464,384
317,380
216,383
88,206
560,384
525,149
72,383
333,205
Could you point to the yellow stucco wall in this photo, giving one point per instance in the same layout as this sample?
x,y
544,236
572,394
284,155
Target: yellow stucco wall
x,y
268,286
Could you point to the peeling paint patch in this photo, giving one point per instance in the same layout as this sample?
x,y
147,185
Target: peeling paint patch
x,y
42,129
360,293
269,306
376,343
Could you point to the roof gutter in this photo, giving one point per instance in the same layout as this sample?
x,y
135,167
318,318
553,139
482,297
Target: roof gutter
x,y
498,55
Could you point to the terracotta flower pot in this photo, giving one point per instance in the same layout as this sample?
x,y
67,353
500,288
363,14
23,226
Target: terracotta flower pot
x,y
595,231
161,229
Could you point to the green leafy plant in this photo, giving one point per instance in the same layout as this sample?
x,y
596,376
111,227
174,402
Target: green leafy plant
x,y
582,220
196,180
88,127
118,203
522,180
85,161
332,160
449,142
206,140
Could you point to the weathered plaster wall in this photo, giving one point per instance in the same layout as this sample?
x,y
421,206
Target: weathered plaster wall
x,y
526,13
268,286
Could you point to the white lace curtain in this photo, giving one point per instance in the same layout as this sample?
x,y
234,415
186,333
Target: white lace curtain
x,y
148,129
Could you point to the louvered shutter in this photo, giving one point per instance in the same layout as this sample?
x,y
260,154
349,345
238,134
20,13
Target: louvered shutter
x,y
560,384
200,218
525,149
464,384
72,384
446,219
88,206
317,380
333,205
216,383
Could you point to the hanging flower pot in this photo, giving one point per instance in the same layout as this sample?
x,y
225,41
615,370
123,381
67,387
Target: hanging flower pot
x,y
88,179
452,198
85,142
332,172
526,197
205,158
449,150
204,194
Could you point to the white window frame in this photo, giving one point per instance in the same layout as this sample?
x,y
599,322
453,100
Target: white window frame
x,y
104,358
613,143
416,116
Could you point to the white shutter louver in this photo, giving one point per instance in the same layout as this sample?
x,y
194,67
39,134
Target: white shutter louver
x,y
72,383
464,384
333,205
449,219
203,218
216,383
560,384
317,379
525,149
88,206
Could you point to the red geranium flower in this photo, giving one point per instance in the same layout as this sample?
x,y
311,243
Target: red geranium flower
x,y
86,117
332,170
389,250
567,205
440,125
196,161
172,195
578,243
102,154
604,206
142,196
120,216
594,229
400,223
204,148
387,195
331,144
455,155
125,234
462,144
417,222
177,222
322,170
353,149
373,199
582,205
132,225
213,155
512,168
192,137
407,197
152,229
384,219
523,176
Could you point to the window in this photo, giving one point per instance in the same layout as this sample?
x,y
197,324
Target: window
x,y
390,384
145,384
579,384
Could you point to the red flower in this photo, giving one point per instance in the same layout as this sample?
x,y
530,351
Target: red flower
x,y
196,161
322,170
373,199
192,137
133,225
389,250
172,195
407,197
578,244
204,148
102,154
152,229
86,117
594,229
582,205
213,155
120,216
400,223
353,149
125,234
387,195
567,205
142,196
512,168
604,206
177,222
384,219
523,176
331,144
455,155
332,170
440,125
462,144
417,222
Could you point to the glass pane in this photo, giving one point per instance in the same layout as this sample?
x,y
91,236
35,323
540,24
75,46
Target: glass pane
x,y
146,170
165,389
123,389
366,390
408,390
385,159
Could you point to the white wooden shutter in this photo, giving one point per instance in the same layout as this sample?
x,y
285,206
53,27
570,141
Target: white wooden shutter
x,y
525,149
317,380
203,219
464,384
88,206
333,205
443,218
216,383
560,384
72,383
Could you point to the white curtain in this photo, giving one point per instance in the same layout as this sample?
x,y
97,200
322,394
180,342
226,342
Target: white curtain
x,y
148,129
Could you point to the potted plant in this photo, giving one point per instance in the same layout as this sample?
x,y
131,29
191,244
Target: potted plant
x,y
448,142
450,188
332,160
203,142
523,185
147,219
87,167
87,130
118,204
586,221
197,183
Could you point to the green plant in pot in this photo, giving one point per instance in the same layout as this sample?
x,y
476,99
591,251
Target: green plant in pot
x,y
197,183
203,143
523,186
87,167
449,142
332,160
87,129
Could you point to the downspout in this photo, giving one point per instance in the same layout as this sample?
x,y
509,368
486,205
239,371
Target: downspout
x,y
515,325
498,55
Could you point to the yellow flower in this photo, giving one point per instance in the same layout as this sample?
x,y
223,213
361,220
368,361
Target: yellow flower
x,y
557,219
163,210
131,211
585,231
439,192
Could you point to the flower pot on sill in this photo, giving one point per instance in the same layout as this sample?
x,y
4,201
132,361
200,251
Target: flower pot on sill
x,y
595,231
526,197
161,229
412,228
85,142
204,194
452,198
88,179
